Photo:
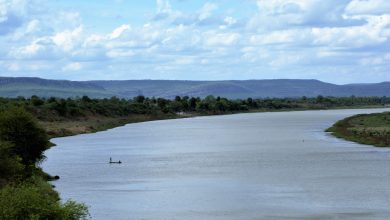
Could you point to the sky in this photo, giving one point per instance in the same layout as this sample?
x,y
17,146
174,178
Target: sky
x,y
337,41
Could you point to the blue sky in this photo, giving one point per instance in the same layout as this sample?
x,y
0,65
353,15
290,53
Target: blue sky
x,y
338,41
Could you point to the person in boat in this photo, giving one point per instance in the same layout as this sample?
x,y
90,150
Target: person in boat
x,y
114,161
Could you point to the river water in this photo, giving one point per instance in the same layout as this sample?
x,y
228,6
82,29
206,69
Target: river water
x,y
245,166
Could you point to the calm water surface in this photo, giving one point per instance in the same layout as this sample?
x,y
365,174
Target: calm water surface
x,y
244,166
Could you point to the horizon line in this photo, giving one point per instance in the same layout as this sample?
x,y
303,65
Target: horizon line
x,y
190,80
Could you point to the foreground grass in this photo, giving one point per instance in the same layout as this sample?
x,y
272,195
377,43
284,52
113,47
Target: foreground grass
x,y
372,129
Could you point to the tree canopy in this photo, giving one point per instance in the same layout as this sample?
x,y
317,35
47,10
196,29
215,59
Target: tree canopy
x,y
25,137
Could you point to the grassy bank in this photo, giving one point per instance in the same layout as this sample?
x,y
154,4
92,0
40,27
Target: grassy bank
x,y
372,129
70,127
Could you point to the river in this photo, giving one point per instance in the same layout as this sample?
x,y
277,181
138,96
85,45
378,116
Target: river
x,y
279,165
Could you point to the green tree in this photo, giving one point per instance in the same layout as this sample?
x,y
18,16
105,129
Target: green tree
x,y
192,103
139,99
320,99
27,138
86,99
36,101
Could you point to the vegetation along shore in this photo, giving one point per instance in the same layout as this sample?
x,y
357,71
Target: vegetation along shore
x,y
27,124
24,190
372,129
64,117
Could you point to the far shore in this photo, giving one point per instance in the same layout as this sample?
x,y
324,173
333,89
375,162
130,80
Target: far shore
x,y
92,125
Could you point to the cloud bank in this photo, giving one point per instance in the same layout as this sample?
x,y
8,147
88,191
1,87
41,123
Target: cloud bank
x,y
338,41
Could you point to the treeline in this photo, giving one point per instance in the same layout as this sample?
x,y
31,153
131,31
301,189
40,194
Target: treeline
x,y
24,190
52,108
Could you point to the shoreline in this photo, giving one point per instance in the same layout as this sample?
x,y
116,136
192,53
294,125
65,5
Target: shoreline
x,y
119,122
369,129
69,128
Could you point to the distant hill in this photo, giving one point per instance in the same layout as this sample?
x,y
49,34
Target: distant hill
x,y
25,86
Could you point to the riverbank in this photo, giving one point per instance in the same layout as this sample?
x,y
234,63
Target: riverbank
x,y
70,127
371,129
73,126
65,117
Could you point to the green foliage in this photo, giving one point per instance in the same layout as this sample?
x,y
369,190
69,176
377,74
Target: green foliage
x,y
11,167
36,101
28,140
139,99
23,193
28,201
73,210
56,109
373,129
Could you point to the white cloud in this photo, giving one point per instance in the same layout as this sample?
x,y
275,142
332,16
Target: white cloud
x,y
230,21
38,49
276,37
117,53
3,11
11,66
220,39
184,60
163,6
285,60
72,67
281,35
368,7
119,31
372,33
31,49
284,14
66,39
206,11
254,54
32,26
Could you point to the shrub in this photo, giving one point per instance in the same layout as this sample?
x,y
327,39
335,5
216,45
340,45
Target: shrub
x,y
10,166
37,202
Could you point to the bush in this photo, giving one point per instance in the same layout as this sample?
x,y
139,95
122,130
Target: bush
x,y
10,166
74,210
37,202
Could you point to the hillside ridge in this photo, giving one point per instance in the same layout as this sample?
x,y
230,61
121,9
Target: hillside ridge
x,y
28,86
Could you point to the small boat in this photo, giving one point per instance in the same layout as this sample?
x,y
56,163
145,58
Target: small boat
x,y
118,162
